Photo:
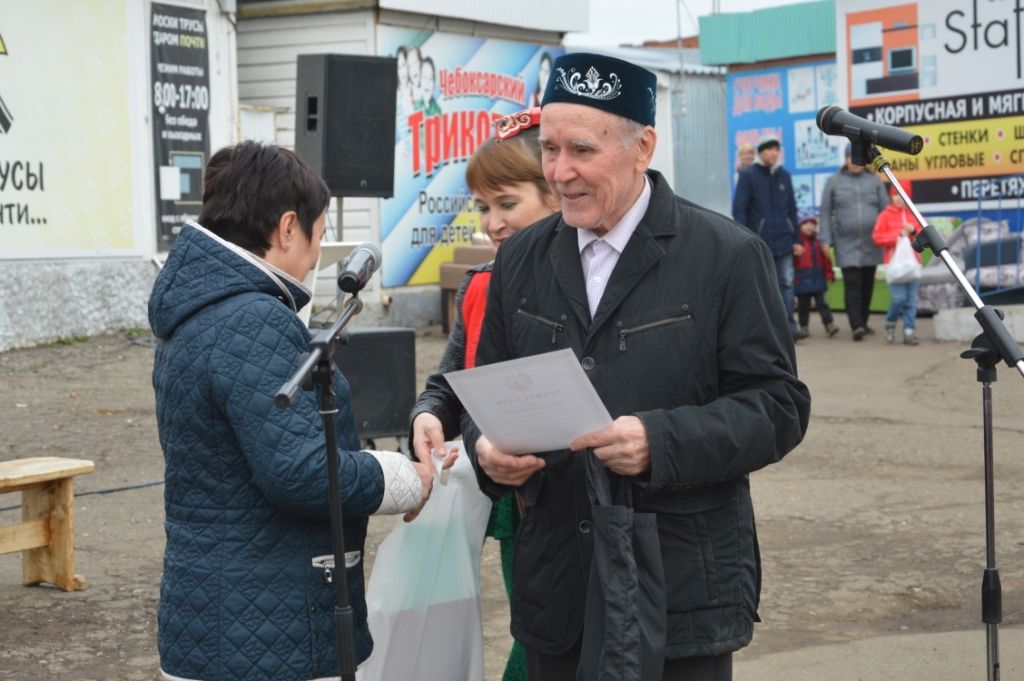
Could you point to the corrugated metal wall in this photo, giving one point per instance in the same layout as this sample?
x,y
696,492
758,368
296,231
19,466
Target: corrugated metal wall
x,y
700,128
267,51
773,33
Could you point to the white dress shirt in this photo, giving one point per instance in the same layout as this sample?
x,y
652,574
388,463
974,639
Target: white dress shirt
x,y
599,254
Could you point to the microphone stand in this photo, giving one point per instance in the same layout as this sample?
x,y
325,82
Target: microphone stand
x,y
992,345
318,366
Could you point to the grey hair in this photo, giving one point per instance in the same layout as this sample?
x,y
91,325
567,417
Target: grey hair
x,y
630,132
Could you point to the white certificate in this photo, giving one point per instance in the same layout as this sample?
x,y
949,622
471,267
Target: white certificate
x,y
532,404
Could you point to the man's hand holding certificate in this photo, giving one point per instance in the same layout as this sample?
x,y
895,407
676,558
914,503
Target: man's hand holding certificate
x,y
532,404
525,406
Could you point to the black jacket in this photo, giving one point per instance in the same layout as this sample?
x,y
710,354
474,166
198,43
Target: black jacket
x,y
691,337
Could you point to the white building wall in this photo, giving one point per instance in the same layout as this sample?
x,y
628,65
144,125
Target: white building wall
x,y
53,287
540,15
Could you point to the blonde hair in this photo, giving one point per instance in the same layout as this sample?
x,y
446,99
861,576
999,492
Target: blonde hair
x,y
497,164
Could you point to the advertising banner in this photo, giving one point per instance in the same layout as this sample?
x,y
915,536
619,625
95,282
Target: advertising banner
x,y
451,89
66,185
950,71
783,101
180,77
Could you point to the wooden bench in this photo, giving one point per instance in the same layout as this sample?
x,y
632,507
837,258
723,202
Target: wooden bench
x,y
45,533
464,259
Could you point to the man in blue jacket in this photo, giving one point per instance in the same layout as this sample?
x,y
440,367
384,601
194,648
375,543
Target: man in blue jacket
x,y
764,203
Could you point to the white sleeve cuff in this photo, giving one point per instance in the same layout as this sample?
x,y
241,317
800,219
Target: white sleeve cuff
x,y
403,488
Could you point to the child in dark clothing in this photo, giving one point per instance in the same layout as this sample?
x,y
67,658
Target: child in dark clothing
x,y
812,273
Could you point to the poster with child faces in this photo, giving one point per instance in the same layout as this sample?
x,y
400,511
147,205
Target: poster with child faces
x,y
451,90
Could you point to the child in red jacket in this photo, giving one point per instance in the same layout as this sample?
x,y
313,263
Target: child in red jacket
x,y
812,272
893,222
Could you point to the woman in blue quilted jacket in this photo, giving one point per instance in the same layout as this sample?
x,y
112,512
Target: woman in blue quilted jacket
x,y
246,495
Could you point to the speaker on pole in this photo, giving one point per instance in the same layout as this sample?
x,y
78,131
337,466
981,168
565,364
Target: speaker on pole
x,y
345,121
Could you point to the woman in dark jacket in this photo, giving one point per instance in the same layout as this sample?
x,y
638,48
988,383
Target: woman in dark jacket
x,y
246,495
511,193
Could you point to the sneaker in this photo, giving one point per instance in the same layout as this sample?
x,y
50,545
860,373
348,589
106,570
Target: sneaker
x,y
868,330
831,330
909,337
890,333
801,333
858,333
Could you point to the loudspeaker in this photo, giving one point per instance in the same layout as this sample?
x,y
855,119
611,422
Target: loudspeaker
x,y
345,121
380,365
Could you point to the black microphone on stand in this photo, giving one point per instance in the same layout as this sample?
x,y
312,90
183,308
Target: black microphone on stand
x,y
359,267
835,121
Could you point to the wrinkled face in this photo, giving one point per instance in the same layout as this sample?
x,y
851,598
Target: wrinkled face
x,y
511,208
769,155
586,160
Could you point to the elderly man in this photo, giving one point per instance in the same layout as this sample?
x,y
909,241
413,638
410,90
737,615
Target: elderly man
x,y
675,316
764,202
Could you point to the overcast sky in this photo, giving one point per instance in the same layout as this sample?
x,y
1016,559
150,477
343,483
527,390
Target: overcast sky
x,y
616,22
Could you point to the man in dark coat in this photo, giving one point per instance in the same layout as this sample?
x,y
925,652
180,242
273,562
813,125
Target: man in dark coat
x,y
764,203
674,314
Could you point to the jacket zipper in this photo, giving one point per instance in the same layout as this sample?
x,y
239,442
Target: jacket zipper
x,y
556,327
648,326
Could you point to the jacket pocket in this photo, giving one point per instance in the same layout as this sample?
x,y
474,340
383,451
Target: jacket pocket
x,y
657,353
699,543
624,333
531,329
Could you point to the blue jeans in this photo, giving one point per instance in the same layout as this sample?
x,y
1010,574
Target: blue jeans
x,y
904,301
784,273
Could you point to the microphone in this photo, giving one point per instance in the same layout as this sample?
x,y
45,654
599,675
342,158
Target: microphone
x,y
358,267
835,121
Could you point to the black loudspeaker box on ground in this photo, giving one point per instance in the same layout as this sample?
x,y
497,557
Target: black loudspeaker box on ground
x,y
345,121
380,365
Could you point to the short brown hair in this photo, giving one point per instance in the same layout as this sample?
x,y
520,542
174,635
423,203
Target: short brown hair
x,y
248,187
496,164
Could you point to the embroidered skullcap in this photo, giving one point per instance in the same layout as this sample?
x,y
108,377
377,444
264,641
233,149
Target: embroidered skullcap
x,y
605,83
767,141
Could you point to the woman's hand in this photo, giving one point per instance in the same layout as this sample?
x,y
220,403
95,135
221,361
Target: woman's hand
x,y
428,441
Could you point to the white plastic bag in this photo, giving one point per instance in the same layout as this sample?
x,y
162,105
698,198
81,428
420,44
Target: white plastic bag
x,y
424,591
903,267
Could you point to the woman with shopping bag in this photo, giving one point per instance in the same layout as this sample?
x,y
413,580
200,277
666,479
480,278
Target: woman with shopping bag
x,y
893,229
508,184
